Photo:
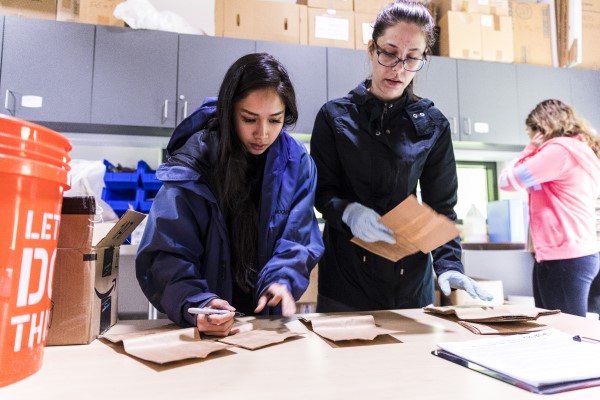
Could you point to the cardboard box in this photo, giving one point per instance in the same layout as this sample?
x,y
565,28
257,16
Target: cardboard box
x,y
67,10
460,297
43,9
370,6
84,287
347,5
590,34
99,12
331,28
532,33
363,29
460,35
508,221
261,20
497,38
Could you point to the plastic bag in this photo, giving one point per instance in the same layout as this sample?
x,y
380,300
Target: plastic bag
x,y
87,179
141,14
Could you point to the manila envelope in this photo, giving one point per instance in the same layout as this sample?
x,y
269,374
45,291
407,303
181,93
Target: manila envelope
x,y
417,227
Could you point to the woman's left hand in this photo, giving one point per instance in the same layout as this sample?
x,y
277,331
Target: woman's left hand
x,y
275,294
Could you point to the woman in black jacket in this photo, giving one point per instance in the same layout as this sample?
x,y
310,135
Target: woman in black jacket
x,y
372,149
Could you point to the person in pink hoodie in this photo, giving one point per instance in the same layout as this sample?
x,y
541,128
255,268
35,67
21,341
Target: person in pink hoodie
x,y
560,169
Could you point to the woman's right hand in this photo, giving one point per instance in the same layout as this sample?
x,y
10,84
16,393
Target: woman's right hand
x,y
217,324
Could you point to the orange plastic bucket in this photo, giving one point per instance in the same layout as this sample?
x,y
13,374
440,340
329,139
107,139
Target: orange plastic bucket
x,y
34,173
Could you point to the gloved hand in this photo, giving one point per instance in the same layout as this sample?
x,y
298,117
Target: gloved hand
x,y
456,280
364,224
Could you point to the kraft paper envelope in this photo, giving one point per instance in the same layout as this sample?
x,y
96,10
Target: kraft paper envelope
x,y
491,313
166,345
417,227
253,340
503,328
337,328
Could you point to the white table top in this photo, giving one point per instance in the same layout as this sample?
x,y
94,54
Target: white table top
x,y
304,368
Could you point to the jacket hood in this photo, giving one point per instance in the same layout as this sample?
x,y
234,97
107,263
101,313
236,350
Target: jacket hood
x,y
581,152
192,124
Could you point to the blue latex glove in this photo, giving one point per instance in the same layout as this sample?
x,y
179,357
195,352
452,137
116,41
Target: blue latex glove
x,y
364,224
456,280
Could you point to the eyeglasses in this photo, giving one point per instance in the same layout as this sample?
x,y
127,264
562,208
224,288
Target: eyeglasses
x,y
389,60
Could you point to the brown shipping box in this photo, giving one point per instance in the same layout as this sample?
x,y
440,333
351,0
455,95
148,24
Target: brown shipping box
x,y
67,10
460,35
330,28
84,287
347,5
532,33
370,6
43,9
99,12
261,20
497,38
363,28
590,34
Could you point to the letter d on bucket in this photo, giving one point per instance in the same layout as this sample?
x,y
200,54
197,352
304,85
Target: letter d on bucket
x,y
34,171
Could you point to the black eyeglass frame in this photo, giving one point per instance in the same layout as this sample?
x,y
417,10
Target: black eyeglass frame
x,y
378,50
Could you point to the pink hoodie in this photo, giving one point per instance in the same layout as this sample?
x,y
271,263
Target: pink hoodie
x,y
562,178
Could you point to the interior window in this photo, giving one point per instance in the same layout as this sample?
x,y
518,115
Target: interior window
x,y
477,184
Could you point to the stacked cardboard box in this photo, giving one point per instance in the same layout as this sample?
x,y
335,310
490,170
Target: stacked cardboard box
x,y
261,20
590,33
476,30
532,33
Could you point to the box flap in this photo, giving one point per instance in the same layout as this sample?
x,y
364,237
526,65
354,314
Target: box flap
x,y
122,229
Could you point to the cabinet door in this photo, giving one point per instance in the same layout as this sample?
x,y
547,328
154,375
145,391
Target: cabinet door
x,y
307,68
538,83
135,77
487,93
47,70
585,89
346,68
438,82
203,61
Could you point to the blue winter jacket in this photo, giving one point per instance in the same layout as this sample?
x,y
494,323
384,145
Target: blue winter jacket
x,y
184,257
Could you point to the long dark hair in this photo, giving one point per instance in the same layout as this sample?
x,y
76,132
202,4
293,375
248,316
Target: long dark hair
x,y
249,73
410,12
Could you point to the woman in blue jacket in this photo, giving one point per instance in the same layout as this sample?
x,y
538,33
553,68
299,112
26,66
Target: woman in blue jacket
x,y
372,149
233,226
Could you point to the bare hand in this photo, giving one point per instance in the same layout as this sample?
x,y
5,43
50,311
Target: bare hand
x,y
275,294
217,324
538,139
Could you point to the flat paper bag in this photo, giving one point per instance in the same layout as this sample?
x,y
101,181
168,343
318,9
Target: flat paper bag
x,y
491,313
361,327
256,339
167,345
417,227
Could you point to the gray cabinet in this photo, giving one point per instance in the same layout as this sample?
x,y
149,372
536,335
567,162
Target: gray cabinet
x,y
438,82
135,77
346,68
307,68
585,91
487,94
203,61
47,70
537,83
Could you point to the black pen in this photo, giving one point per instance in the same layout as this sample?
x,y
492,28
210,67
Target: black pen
x,y
578,338
209,311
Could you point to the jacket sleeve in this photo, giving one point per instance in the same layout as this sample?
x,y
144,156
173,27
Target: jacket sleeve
x,y
298,244
439,185
533,167
169,260
323,150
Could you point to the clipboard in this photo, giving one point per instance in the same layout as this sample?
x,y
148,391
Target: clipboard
x,y
542,389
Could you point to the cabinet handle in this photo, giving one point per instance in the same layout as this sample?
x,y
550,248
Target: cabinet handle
x,y
467,126
166,110
454,127
9,92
